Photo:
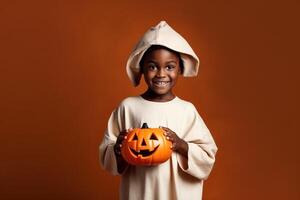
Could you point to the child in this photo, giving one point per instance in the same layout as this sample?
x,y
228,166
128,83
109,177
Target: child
x,y
161,56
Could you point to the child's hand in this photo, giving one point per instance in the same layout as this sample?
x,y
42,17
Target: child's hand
x,y
178,144
121,137
121,163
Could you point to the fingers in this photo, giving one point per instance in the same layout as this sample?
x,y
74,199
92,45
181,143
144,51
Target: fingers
x,y
124,132
122,136
172,137
173,146
165,128
117,149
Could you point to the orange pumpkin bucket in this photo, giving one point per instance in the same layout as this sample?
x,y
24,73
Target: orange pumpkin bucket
x,y
146,146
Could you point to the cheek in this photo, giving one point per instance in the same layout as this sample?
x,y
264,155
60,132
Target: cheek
x,y
174,76
148,76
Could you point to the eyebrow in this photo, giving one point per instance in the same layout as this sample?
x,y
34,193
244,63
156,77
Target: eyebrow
x,y
153,61
172,61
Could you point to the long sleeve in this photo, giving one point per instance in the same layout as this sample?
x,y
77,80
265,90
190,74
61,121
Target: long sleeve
x,y
107,156
202,148
178,177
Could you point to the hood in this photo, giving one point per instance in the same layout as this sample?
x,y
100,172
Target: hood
x,y
162,34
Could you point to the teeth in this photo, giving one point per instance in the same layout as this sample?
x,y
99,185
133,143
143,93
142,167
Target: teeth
x,y
161,83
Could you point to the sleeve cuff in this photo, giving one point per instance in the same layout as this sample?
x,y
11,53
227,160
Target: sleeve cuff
x,y
110,162
183,162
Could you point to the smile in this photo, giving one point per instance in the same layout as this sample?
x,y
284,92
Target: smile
x,y
143,153
161,83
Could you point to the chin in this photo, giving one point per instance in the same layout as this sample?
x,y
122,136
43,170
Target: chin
x,y
160,92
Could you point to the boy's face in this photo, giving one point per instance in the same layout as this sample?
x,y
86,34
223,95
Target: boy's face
x,y
161,68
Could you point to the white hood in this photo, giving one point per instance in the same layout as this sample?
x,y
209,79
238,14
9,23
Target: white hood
x,y
162,34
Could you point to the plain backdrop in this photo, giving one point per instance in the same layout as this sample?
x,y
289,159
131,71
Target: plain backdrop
x,y
62,72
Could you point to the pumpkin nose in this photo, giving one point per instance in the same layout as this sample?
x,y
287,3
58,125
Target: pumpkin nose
x,y
144,142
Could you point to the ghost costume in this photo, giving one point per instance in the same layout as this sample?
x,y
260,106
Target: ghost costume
x,y
179,177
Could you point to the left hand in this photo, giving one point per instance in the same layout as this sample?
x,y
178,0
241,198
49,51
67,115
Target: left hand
x,y
178,144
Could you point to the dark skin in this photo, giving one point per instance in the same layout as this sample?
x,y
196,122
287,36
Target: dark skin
x,y
161,68
121,163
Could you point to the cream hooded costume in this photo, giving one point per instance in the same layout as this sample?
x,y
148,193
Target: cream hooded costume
x,y
177,178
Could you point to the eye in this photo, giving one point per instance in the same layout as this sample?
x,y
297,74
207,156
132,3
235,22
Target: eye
x,y
152,67
170,67
135,137
153,137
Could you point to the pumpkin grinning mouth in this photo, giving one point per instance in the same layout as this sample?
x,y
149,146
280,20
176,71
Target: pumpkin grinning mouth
x,y
143,153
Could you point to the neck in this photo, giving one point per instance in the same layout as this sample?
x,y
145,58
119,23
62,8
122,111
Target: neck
x,y
151,96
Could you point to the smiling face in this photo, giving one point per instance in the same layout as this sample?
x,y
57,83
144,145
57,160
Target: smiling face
x,y
146,146
161,67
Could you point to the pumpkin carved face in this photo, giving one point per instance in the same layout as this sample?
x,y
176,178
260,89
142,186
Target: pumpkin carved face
x,y
146,146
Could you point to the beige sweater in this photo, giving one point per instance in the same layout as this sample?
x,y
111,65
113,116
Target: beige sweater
x,y
177,178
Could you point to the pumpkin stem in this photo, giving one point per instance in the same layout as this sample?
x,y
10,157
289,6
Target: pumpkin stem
x,y
145,125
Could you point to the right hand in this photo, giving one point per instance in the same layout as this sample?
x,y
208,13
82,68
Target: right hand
x,y
121,137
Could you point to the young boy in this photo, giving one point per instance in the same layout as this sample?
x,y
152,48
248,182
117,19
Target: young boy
x,y
161,56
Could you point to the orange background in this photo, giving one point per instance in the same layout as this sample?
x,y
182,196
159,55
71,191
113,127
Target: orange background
x,y
62,73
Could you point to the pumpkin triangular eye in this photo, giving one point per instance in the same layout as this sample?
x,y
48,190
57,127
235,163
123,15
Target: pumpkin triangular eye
x,y
135,137
153,137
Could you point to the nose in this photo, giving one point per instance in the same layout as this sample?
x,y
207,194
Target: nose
x,y
144,143
161,73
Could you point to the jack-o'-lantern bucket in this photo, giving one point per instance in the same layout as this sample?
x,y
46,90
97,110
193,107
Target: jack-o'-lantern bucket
x,y
146,146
